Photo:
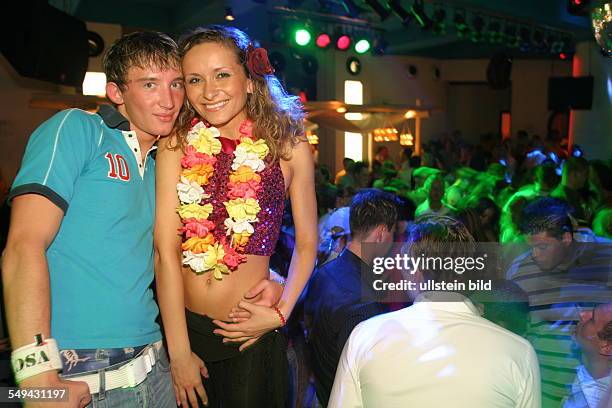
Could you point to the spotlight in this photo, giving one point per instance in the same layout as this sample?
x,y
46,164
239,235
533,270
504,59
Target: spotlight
x,y
343,42
578,7
382,12
493,32
554,43
401,12
478,26
460,24
439,19
323,40
353,66
418,11
362,46
510,36
302,37
229,16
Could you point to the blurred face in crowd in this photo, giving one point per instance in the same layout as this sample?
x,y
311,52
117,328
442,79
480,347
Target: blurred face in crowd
x,y
486,218
548,251
591,323
580,178
363,177
437,190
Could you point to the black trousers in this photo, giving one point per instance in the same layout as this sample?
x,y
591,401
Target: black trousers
x,y
256,377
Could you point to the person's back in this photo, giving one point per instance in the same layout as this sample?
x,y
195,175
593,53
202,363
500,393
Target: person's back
x,y
436,354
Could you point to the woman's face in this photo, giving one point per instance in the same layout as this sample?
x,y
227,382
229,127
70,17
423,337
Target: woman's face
x,y
217,86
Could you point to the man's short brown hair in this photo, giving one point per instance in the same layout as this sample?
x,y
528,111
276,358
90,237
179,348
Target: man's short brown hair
x,y
141,49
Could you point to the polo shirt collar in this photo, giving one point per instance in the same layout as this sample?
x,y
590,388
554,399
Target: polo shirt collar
x,y
113,119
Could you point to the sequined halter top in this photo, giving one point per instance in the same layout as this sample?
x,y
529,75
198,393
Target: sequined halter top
x,y
271,198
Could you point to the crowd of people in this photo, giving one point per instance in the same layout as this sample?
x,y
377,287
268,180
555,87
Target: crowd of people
x,y
548,212
198,178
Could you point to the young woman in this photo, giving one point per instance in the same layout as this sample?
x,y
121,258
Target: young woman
x,y
221,183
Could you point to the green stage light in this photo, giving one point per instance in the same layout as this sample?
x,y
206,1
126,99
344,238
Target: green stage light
x,y
302,37
362,46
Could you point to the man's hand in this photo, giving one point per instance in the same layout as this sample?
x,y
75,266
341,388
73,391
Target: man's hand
x,y
265,293
77,391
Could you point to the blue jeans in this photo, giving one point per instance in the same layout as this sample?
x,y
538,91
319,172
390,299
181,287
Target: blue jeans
x,y
156,391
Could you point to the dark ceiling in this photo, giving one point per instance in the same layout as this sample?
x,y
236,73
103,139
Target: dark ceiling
x,y
545,23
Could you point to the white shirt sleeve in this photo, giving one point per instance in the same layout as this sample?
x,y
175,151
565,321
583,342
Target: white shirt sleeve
x,y
346,392
530,395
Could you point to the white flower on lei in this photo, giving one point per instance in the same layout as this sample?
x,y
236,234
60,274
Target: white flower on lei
x,y
240,227
245,158
199,128
190,192
197,262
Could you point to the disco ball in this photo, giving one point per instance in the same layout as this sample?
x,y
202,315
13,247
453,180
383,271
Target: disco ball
x,y
601,19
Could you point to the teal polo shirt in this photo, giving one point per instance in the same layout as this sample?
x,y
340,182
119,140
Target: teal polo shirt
x,y
101,260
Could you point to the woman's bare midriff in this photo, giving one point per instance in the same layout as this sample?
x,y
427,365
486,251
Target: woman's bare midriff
x,y
214,298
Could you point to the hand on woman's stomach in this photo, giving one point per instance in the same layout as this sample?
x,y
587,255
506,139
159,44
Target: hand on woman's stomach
x,y
215,298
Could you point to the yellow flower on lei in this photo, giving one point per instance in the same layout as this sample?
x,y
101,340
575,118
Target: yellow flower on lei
x,y
206,142
254,146
213,260
244,174
198,245
200,173
194,210
240,209
240,239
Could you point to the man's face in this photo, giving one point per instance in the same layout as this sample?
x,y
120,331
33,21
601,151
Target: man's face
x,y
548,251
363,177
437,191
592,322
152,99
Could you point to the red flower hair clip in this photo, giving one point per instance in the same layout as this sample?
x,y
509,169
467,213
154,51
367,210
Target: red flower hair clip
x,y
257,62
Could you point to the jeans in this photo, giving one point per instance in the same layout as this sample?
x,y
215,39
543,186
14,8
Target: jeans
x,y
156,391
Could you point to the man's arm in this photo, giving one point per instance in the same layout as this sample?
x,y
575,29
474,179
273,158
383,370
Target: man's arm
x,y
34,223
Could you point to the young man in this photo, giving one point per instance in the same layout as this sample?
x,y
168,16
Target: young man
x,y
439,352
561,278
334,302
78,264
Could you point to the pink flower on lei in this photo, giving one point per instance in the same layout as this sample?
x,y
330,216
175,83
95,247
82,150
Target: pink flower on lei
x,y
243,190
196,228
193,157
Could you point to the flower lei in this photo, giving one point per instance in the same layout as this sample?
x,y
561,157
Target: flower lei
x,y
202,252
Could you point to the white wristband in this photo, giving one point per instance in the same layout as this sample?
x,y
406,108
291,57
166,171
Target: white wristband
x,y
35,358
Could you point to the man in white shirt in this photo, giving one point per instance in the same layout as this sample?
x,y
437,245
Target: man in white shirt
x,y
439,352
